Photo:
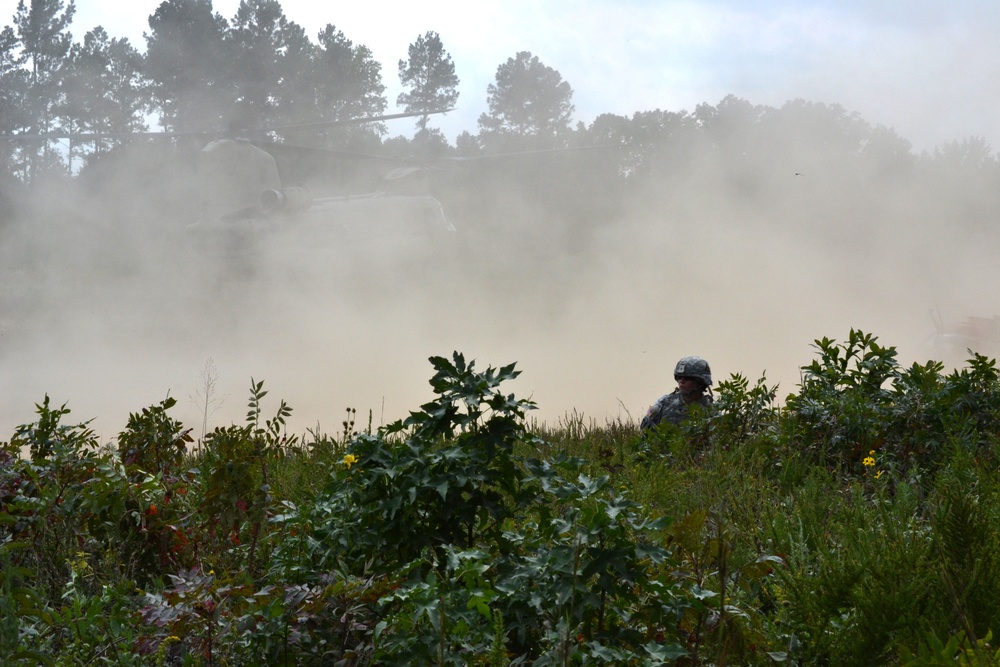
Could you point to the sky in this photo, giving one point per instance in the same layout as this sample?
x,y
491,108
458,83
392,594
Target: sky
x,y
927,69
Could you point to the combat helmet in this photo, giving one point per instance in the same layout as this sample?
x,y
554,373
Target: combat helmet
x,y
694,367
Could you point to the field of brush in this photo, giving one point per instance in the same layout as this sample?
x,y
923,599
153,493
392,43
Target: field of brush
x,y
854,525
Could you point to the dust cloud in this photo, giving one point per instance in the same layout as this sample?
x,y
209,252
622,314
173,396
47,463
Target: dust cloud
x,y
110,316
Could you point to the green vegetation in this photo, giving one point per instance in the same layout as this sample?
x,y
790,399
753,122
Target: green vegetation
x,y
855,525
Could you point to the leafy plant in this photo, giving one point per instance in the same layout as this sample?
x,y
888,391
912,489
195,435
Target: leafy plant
x,y
153,443
958,650
588,573
741,410
42,496
446,475
235,465
838,411
441,615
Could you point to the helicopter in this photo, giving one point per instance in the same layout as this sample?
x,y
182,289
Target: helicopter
x,y
244,196
245,191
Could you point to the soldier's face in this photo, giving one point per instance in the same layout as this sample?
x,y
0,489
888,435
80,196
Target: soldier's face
x,y
688,386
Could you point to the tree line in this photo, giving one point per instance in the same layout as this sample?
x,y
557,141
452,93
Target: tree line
x,y
256,72
259,72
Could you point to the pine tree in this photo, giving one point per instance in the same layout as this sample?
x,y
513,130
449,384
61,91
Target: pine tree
x,y
430,75
42,28
529,99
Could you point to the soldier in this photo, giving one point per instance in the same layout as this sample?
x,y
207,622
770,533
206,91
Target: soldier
x,y
694,377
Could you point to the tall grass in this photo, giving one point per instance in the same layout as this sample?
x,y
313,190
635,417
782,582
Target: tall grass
x,y
856,525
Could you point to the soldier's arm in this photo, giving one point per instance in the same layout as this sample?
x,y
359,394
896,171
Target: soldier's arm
x,y
653,415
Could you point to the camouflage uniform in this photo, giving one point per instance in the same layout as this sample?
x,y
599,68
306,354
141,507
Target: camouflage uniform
x,y
672,409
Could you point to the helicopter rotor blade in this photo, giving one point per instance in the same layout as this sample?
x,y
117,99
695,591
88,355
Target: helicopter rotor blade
x,y
92,136
354,121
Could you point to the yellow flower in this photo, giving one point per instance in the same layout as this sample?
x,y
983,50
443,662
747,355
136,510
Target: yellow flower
x,y
868,461
878,474
350,460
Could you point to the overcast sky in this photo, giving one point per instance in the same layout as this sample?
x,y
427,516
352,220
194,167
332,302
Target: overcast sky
x,y
928,69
